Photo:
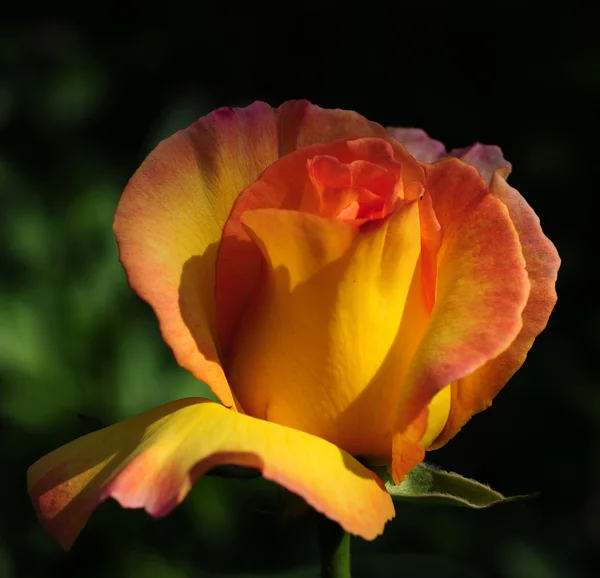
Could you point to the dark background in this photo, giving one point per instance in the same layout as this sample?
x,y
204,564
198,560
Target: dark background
x,y
84,98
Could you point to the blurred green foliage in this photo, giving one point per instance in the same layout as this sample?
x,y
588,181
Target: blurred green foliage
x,y
82,104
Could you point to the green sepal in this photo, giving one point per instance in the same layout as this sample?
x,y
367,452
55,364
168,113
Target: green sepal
x,y
427,484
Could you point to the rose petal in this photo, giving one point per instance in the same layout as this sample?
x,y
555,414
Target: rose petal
x,y
407,449
431,241
169,222
485,158
152,460
409,445
418,143
321,348
475,392
482,286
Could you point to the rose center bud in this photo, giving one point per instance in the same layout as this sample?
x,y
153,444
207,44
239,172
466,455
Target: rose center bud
x,y
357,190
324,292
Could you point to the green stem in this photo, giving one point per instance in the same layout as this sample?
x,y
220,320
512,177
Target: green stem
x,y
334,543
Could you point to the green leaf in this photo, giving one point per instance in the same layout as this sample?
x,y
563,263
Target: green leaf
x,y
427,484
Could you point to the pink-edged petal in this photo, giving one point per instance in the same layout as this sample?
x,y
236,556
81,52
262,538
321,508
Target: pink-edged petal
x,y
482,286
303,124
485,158
169,222
475,392
418,143
152,460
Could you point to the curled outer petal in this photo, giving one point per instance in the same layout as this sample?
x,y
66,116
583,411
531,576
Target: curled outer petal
x,y
482,287
475,392
171,216
152,460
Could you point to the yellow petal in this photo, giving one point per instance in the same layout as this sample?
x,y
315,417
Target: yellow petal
x,y
152,460
319,348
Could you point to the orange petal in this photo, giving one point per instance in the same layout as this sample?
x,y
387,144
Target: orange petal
x,y
171,216
408,446
475,392
407,451
431,240
152,460
306,124
320,347
482,286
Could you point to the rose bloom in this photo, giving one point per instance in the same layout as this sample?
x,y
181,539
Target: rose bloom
x,y
352,295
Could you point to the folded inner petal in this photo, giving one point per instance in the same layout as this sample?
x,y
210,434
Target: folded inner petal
x,y
152,460
319,347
